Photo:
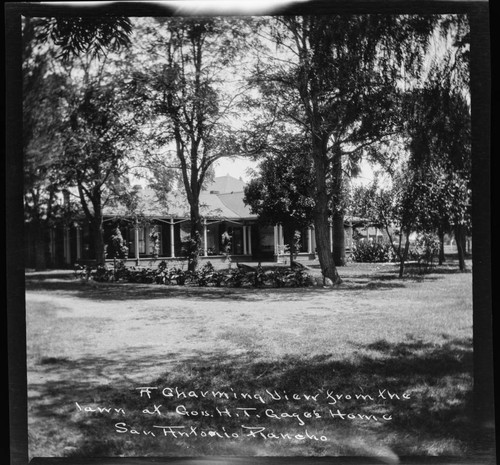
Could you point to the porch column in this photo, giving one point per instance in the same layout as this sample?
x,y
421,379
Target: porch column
x,y
309,240
244,240
205,248
331,236
136,242
78,242
172,245
275,240
147,231
281,238
249,229
350,235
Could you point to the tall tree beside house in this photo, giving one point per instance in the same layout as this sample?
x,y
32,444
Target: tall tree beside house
x,y
98,140
337,77
185,79
39,149
438,130
41,144
50,46
283,190
394,206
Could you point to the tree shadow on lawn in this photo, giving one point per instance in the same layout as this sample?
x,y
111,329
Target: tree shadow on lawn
x,y
436,419
128,291
134,291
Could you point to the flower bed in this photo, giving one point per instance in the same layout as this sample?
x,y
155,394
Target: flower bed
x,y
205,276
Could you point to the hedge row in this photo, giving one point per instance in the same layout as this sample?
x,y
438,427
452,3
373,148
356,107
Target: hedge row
x,y
207,275
424,250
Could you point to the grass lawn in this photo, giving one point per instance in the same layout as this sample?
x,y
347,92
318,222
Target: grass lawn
x,y
251,372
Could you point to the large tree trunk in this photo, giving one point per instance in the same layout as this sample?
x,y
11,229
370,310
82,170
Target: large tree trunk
x,y
338,239
404,256
442,258
321,223
196,233
338,232
98,236
460,239
289,238
327,264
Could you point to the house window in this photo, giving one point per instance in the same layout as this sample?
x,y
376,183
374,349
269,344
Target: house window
x,y
237,241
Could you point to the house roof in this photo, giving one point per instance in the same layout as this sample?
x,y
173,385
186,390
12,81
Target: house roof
x,y
234,202
221,198
225,185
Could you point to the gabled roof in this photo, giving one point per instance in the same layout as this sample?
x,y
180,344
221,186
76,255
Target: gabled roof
x,y
225,185
222,198
234,202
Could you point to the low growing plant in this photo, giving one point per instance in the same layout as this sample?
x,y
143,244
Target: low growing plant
x,y
205,276
372,252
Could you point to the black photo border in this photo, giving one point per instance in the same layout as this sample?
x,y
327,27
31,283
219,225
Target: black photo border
x,y
484,405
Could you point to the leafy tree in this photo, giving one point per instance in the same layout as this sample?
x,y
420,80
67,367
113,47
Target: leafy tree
x,y
41,145
438,127
97,142
337,78
395,207
184,85
52,46
443,205
282,192
88,35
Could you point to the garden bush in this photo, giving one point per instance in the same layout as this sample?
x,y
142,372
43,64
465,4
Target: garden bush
x,y
205,276
424,250
372,252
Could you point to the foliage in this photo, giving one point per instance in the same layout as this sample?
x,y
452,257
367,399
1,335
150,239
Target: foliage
x,y
283,190
89,130
93,35
42,143
179,88
338,79
395,207
372,252
438,127
154,235
117,247
425,250
226,245
206,276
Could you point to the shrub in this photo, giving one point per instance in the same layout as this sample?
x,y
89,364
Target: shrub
x,y
372,252
141,275
205,276
101,274
121,271
236,277
178,275
424,250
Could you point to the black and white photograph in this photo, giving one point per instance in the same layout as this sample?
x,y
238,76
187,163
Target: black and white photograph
x,y
251,232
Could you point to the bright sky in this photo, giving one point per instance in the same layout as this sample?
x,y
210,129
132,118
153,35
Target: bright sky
x,y
239,167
